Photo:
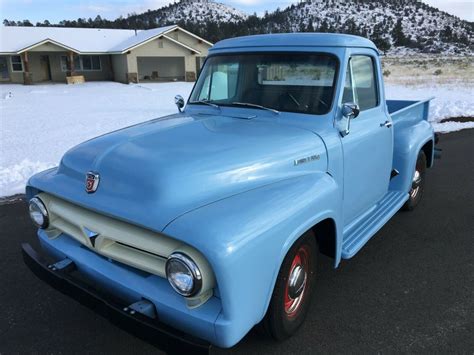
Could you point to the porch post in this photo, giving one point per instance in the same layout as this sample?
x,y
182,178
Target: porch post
x,y
72,69
27,77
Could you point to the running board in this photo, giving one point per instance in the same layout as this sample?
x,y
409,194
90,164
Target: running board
x,y
360,232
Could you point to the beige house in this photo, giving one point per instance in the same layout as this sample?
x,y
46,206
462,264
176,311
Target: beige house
x,y
39,54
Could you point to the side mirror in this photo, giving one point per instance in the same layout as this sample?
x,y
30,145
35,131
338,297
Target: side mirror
x,y
179,102
350,110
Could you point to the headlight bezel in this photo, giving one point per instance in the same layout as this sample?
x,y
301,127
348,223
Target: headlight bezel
x,y
193,269
37,203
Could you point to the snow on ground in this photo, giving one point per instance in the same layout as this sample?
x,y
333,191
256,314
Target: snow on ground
x,y
39,123
451,100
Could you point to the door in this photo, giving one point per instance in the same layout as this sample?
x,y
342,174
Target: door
x,y
368,148
4,74
161,68
45,69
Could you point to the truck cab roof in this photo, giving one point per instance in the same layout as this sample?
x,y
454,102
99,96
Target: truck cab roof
x,y
294,40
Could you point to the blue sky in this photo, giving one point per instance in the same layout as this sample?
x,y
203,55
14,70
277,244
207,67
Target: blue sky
x,y
56,10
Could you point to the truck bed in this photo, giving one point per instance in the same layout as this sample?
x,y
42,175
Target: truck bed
x,y
408,110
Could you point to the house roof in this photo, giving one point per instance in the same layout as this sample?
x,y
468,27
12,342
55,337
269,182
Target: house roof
x,y
15,40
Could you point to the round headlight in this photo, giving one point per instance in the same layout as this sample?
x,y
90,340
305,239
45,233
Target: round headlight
x,y
38,213
183,274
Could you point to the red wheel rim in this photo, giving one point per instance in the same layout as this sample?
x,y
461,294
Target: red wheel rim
x,y
299,264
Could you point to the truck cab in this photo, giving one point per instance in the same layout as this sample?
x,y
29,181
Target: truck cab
x,y
209,221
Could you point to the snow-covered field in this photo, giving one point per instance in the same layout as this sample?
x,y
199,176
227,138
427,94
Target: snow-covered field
x,y
451,101
39,123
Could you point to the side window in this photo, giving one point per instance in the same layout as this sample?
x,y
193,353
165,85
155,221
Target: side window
x,y
348,95
361,85
222,84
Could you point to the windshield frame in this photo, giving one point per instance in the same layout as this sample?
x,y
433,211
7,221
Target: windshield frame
x,y
275,52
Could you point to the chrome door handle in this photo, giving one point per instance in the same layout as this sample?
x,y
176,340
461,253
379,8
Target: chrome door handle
x,y
387,124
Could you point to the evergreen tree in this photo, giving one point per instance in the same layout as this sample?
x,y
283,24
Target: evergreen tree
x,y
324,27
447,34
25,23
382,43
398,36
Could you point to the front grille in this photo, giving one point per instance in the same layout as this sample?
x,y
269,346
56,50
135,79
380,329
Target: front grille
x,y
120,241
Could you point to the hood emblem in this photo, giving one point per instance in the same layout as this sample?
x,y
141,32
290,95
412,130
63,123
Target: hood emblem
x,y
91,235
92,182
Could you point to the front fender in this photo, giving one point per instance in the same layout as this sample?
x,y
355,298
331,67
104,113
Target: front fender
x,y
246,237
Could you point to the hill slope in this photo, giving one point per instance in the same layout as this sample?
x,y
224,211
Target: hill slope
x,y
398,22
392,24
389,23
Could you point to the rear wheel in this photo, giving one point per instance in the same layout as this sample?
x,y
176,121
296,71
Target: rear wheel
x,y
418,183
293,289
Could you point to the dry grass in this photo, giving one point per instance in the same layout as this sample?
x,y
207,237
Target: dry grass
x,y
412,70
458,119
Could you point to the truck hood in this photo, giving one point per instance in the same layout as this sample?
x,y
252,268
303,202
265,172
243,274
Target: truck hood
x,y
154,172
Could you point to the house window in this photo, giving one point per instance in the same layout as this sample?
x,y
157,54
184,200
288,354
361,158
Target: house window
x,y
90,62
63,63
82,63
17,64
160,44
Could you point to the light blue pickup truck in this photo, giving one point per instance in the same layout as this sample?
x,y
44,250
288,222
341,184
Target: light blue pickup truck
x,y
193,228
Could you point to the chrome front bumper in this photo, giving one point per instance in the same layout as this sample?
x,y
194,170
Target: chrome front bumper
x,y
110,288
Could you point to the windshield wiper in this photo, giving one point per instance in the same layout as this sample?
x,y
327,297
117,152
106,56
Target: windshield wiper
x,y
205,102
256,106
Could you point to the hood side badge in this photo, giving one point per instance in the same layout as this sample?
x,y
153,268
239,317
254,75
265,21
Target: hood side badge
x,y
92,182
307,159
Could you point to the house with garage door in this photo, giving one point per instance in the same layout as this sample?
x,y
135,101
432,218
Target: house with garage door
x,y
39,54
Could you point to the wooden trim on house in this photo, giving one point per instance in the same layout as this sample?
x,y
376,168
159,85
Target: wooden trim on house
x,y
195,51
163,34
47,41
189,33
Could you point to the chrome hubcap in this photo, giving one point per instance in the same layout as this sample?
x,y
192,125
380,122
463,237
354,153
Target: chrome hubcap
x,y
416,182
297,282
296,285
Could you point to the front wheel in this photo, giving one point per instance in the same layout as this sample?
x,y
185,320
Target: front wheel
x,y
418,183
293,289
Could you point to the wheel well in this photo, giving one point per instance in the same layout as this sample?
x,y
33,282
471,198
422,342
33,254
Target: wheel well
x,y
428,150
325,233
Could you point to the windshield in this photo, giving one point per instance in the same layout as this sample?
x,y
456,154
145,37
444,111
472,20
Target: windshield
x,y
291,82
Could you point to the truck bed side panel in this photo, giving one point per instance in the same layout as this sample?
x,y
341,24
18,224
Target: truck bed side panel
x,y
411,132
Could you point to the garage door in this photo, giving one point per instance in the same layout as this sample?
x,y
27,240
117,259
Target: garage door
x,y
161,68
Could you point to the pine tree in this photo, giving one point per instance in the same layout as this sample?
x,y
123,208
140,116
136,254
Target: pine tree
x,y
447,34
383,44
398,36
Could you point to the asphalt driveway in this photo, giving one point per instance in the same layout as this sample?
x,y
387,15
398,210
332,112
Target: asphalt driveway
x,y
410,289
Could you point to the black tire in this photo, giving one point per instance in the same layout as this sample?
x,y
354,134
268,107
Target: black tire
x,y
418,183
285,314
